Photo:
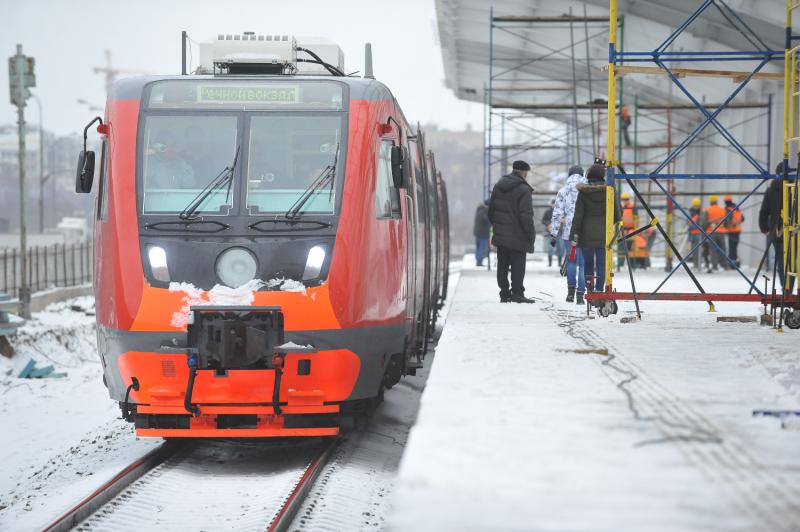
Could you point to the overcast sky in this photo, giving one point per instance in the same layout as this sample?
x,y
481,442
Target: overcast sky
x,y
68,39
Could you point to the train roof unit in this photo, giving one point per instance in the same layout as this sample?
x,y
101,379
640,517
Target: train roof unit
x,y
250,53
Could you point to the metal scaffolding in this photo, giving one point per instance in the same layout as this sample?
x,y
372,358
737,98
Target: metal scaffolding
x,y
528,126
662,57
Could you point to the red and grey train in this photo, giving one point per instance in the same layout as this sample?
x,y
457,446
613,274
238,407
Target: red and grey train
x,y
271,248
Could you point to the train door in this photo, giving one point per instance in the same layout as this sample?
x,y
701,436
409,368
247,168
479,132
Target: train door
x,y
433,205
445,222
411,263
420,270
101,209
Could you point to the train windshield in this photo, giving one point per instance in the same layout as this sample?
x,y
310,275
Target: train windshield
x,y
291,157
182,155
288,137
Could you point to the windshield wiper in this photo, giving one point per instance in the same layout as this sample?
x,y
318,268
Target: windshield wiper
x,y
224,178
184,226
291,222
326,176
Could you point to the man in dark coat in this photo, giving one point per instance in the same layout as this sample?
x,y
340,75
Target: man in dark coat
x,y
511,214
771,224
481,230
589,226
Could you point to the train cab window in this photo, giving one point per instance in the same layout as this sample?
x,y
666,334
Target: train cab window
x,y
102,199
181,155
387,197
293,160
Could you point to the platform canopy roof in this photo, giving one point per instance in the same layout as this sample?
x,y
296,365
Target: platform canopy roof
x,y
533,61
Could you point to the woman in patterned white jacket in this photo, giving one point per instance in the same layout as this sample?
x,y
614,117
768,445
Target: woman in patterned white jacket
x,y
561,224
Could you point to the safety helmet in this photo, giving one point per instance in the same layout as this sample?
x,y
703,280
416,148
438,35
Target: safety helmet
x,y
625,196
696,202
713,198
728,198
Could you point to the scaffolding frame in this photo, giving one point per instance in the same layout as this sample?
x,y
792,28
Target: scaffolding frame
x,y
762,55
568,142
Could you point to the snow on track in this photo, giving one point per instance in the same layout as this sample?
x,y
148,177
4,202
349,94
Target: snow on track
x,y
354,490
212,485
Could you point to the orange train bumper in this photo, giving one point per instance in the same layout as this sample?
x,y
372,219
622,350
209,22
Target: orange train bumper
x,y
163,382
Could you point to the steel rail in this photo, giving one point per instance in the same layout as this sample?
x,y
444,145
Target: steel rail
x,y
283,519
94,502
113,487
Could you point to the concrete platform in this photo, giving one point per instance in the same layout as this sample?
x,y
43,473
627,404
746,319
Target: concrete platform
x,y
526,424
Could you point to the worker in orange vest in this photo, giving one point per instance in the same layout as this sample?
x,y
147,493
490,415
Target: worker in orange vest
x,y
628,213
734,227
714,214
639,254
694,231
628,225
625,123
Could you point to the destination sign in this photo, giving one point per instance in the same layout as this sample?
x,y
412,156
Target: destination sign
x,y
230,94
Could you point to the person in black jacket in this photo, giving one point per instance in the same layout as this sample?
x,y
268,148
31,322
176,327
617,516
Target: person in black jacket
x,y
771,224
589,226
511,214
481,230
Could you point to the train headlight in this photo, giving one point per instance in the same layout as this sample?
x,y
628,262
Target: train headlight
x,y
236,266
316,257
158,263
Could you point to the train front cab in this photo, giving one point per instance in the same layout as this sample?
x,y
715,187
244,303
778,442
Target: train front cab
x,y
172,385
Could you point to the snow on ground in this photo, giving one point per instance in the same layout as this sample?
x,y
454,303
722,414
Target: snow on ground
x,y
536,417
354,490
61,437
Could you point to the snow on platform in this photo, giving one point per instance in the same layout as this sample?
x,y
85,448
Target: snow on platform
x,y
526,425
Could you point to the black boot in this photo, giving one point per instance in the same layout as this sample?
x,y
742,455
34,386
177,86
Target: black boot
x,y
570,294
549,261
579,300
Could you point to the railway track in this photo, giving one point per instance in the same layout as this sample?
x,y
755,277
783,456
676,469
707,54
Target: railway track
x,y
204,485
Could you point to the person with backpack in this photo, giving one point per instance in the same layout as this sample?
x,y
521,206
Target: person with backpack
x,y
588,230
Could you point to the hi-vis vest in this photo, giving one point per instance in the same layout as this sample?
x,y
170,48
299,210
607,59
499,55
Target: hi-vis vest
x,y
628,220
715,214
696,219
638,248
735,220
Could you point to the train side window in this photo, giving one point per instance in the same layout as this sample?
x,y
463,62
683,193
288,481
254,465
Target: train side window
x,y
387,197
102,207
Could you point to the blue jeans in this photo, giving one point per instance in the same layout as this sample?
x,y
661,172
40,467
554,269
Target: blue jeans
x,y
594,262
573,267
481,250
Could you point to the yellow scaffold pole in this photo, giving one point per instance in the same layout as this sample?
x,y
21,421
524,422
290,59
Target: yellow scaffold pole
x,y
610,162
789,218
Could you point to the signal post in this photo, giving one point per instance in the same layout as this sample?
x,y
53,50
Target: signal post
x,y
20,78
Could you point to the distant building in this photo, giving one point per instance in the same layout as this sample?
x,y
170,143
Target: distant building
x,y
60,154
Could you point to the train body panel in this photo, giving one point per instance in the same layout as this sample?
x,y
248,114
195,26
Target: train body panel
x,y
366,316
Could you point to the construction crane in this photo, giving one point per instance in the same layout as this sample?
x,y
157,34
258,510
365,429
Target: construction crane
x,y
111,73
